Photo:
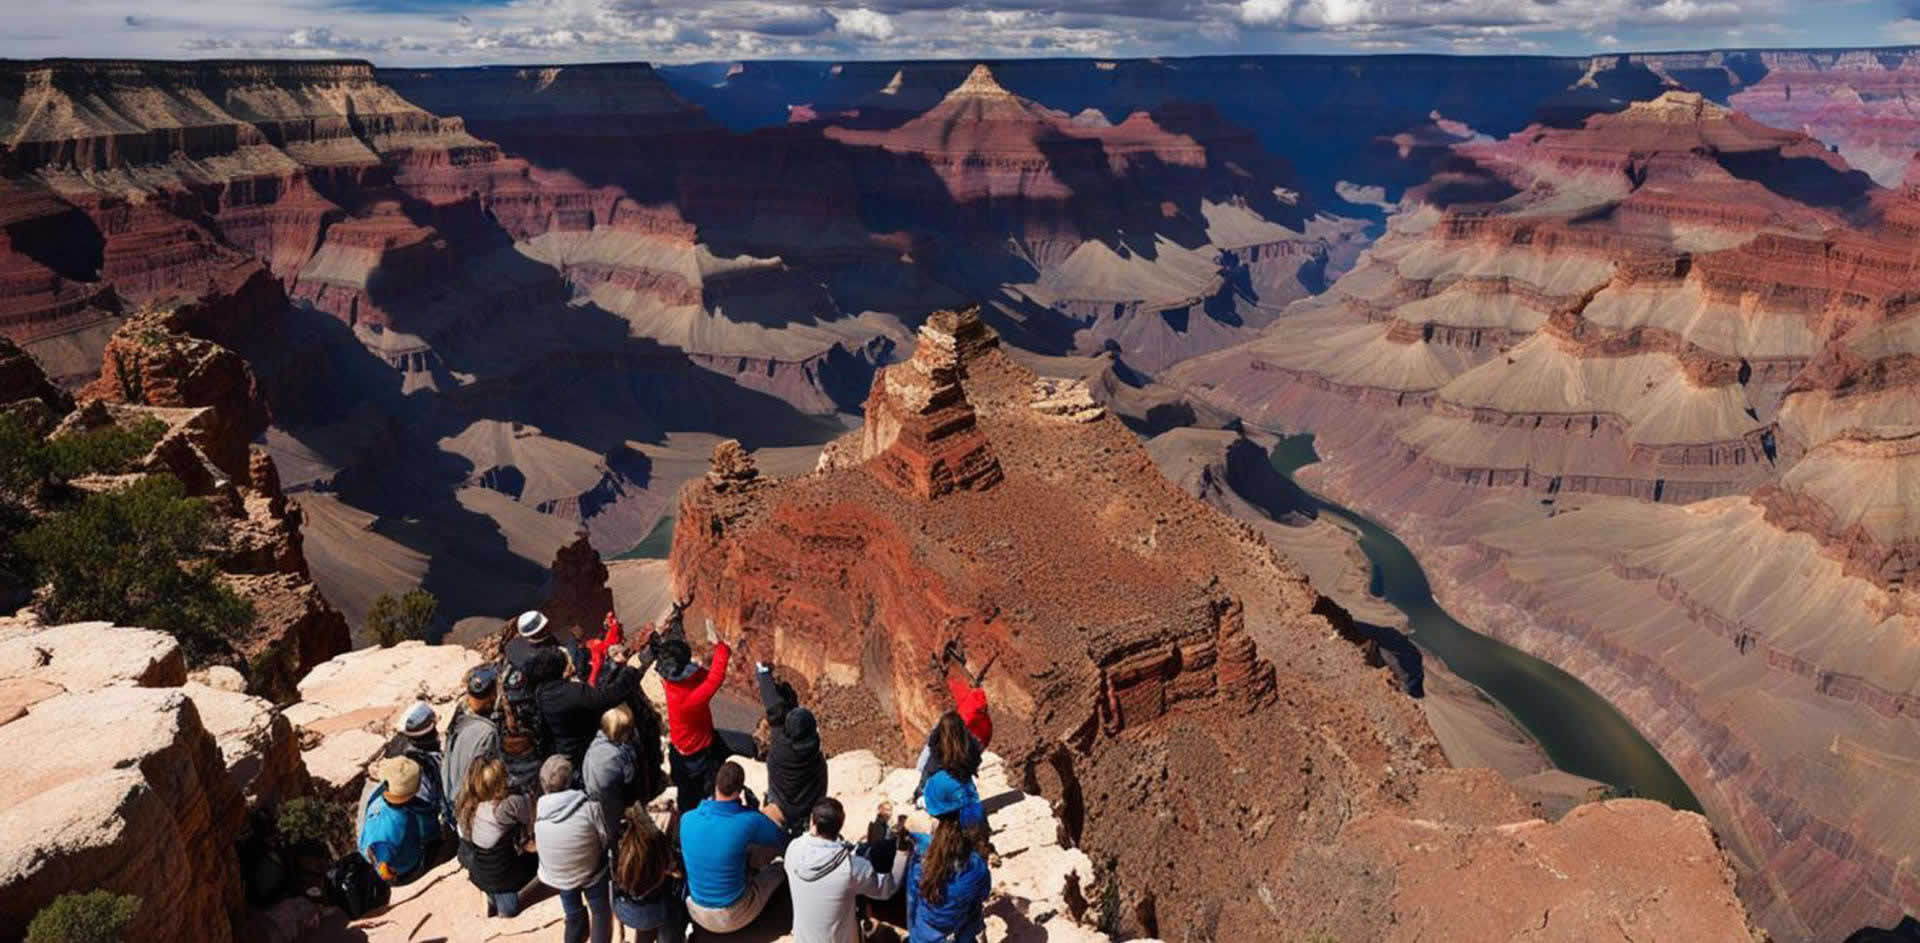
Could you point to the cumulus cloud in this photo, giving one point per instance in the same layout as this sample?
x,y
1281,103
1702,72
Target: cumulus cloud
x,y
427,32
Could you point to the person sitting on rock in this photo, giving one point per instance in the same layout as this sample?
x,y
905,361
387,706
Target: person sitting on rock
x,y
612,774
573,838
400,827
417,738
825,874
697,753
796,767
729,849
494,825
570,708
949,880
472,734
648,889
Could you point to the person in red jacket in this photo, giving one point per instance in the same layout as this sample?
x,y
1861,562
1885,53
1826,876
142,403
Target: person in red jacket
x,y
969,698
697,753
969,705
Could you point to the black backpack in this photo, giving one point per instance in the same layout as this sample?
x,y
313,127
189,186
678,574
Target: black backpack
x,y
353,887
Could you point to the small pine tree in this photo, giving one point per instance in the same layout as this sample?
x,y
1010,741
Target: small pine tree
x,y
391,621
93,917
124,557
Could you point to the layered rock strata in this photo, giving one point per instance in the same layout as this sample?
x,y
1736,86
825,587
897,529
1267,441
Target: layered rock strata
x,y
1671,305
1149,688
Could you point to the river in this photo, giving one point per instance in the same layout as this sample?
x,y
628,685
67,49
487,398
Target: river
x,y
1580,731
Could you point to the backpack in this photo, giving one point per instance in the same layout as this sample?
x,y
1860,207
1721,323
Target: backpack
x,y
353,887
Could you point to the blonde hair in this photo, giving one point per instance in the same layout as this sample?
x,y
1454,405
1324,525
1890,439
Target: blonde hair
x,y
617,723
486,781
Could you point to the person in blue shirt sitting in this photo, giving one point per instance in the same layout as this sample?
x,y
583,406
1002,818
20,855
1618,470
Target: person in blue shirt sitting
x,y
948,881
729,849
401,826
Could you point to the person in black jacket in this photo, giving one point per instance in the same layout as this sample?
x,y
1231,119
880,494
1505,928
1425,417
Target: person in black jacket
x,y
796,768
570,709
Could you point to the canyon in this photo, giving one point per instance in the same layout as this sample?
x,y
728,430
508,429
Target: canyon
x,y
1618,345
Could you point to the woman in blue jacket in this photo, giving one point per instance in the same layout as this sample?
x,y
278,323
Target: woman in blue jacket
x,y
948,882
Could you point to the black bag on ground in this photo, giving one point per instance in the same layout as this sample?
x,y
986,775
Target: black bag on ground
x,y
353,887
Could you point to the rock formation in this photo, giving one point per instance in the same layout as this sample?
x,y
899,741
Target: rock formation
x,y
1132,629
580,600
1671,304
207,397
119,784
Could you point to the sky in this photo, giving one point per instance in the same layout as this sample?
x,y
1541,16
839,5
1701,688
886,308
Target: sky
x,y
465,32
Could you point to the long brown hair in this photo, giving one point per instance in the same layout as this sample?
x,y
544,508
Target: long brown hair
x,y
953,747
952,847
486,780
644,857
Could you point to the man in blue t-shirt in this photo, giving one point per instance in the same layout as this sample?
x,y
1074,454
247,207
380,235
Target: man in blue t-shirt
x,y
401,827
729,850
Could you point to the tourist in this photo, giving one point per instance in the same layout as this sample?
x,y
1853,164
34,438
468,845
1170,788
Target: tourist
x,y
472,734
569,708
697,753
825,874
612,774
523,741
648,891
494,825
960,796
399,827
729,850
948,881
416,736
951,748
531,633
796,768
573,839
969,697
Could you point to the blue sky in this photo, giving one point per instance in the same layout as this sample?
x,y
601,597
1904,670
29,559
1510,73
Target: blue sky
x,y
450,32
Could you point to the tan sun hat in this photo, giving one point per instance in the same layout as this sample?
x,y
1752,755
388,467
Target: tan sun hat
x,y
402,776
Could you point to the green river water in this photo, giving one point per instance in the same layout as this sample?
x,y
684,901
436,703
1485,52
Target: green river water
x,y
1580,731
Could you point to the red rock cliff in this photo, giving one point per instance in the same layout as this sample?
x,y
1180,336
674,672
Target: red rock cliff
x,y
1204,732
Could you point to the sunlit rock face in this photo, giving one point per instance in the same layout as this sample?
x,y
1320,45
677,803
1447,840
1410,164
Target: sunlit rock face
x,y
1148,650
1573,332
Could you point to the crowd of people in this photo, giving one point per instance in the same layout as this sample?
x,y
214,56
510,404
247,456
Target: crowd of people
x,y
547,781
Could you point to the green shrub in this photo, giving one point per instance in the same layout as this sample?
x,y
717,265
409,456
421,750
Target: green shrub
x,y
93,917
308,819
28,461
391,621
123,557
107,450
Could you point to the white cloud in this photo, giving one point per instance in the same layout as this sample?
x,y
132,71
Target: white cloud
x,y
863,23
450,32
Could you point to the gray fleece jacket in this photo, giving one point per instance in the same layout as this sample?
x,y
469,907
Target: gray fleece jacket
x,y
609,773
572,835
824,875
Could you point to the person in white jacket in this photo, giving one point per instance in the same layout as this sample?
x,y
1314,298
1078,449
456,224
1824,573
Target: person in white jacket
x,y
826,873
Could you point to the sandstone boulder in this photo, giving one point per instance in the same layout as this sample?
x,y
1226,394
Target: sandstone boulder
x,y
123,789
37,663
257,742
347,705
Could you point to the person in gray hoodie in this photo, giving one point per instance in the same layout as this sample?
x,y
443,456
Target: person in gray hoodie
x,y
471,734
611,773
826,873
573,835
